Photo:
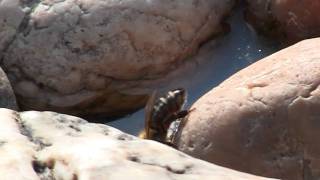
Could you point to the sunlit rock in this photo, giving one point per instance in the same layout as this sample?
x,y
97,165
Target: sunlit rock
x,y
264,119
46,145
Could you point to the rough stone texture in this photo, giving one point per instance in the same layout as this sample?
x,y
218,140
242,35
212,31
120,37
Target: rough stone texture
x,y
46,145
15,149
7,97
77,56
290,19
11,17
264,119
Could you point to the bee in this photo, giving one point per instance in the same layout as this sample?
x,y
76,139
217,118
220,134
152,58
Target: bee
x,y
161,113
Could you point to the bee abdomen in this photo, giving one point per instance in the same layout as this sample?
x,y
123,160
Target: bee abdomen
x,y
165,110
164,107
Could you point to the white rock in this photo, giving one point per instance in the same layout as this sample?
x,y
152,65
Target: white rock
x,y
57,146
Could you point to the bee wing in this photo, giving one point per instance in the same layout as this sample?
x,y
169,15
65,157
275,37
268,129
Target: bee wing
x,y
148,110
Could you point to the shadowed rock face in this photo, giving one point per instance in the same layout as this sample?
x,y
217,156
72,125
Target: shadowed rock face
x,y
292,20
264,119
83,57
7,97
46,145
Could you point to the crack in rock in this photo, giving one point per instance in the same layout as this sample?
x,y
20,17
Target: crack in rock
x,y
28,7
184,170
28,132
42,169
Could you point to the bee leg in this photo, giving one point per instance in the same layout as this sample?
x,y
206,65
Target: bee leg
x,y
171,131
166,124
183,113
178,117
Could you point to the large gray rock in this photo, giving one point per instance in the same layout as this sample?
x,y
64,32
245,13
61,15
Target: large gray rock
x,y
81,56
46,145
264,119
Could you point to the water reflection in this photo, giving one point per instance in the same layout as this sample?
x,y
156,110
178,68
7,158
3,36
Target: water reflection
x,y
215,62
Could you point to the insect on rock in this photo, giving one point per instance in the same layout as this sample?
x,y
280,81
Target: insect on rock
x,y
163,116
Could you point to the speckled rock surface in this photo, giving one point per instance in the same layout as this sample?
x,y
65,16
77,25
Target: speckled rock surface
x,y
7,97
264,119
77,56
46,145
292,20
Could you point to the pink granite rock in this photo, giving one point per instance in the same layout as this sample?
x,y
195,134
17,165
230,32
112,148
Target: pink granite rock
x,y
292,20
264,119
82,56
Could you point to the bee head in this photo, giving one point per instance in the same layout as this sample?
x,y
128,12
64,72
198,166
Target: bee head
x,y
180,96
